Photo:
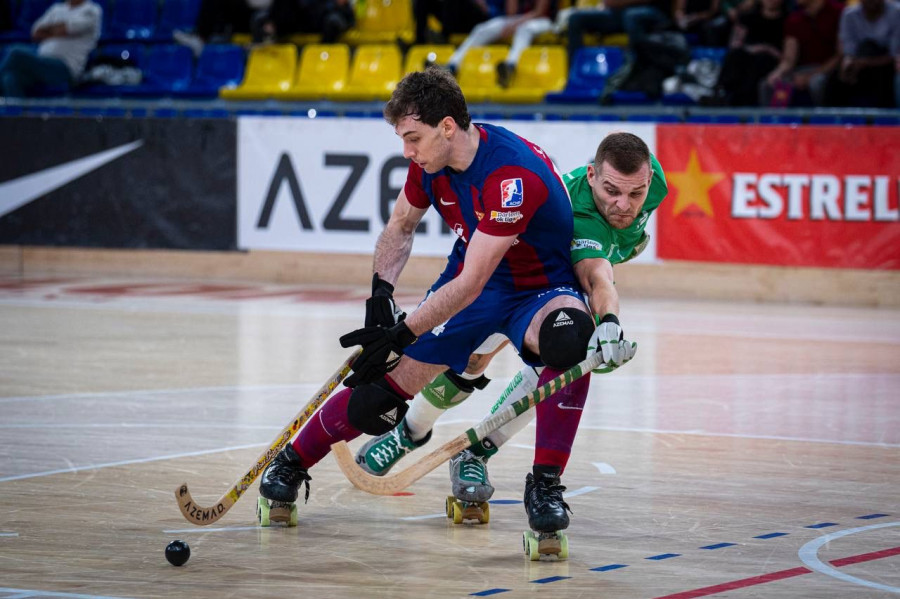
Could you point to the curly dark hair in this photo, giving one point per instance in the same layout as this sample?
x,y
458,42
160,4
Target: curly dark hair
x,y
429,96
625,152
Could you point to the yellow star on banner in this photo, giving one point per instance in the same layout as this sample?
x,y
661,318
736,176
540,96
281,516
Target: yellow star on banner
x,y
693,186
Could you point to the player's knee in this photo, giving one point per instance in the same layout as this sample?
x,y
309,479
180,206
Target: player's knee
x,y
564,337
375,408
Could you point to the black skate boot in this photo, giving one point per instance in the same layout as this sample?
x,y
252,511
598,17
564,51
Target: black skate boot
x,y
547,515
280,484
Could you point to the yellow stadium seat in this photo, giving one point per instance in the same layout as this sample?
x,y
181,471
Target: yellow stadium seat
x,y
380,21
270,70
374,73
541,69
477,74
322,73
417,56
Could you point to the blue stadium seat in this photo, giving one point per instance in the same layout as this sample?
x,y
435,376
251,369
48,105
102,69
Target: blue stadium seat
x,y
27,13
133,53
588,74
654,118
823,119
131,20
781,119
166,68
176,14
630,98
220,65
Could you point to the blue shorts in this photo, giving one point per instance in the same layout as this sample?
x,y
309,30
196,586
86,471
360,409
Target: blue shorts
x,y
494,311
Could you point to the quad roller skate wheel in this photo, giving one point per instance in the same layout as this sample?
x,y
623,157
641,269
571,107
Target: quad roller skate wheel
x,y
459,511
275,512
545,543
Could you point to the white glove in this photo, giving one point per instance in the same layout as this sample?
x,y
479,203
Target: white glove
x,y
608,340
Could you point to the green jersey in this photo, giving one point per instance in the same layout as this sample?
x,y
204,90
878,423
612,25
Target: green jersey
x,y
593,236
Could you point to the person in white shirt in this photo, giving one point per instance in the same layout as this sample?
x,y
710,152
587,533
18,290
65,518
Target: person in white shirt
x,y
66,34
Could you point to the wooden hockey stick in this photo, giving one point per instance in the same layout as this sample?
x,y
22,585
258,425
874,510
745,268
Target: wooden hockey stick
x,y
203,516
394,483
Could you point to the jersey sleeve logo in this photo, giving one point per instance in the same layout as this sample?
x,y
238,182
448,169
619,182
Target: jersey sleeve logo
x,y
511,195
586,244
506,217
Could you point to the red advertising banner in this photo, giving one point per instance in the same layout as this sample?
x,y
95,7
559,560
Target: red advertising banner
x,y
787,196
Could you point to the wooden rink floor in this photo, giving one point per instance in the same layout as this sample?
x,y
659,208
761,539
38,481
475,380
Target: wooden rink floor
x,y
749,450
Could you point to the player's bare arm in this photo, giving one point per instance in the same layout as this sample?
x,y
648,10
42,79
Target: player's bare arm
x,y
597,280
482,257
395,242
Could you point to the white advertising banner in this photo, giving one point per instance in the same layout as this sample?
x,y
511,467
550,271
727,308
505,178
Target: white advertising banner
x,y
329,184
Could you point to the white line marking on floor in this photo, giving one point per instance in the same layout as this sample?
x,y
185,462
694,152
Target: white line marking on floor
x,y
204,529
809,555
604,468
127,462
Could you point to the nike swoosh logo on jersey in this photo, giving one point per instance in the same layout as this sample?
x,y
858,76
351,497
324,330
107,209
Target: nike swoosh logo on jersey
x,y
443,203
17,192
563,406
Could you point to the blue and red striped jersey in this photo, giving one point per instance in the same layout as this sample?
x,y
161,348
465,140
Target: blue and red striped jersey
x,y
511,188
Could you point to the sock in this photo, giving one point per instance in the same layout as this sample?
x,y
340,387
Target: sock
x,y
557,420
327,426
421,417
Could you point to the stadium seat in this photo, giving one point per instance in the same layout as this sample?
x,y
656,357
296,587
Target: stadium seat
x,y
219,66
588,74
24,17
166,69
541,70
374,73
382,21
270,70
132,54
322,73
176,14
478,72
131,20
418,56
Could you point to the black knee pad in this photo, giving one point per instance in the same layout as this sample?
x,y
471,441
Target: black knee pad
x,y
375,408
564,337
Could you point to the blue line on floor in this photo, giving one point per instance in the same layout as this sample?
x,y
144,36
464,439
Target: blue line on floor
x,y
550,579
718,546
609,567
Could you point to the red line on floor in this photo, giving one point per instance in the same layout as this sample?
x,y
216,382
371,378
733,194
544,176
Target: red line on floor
x,y
780,575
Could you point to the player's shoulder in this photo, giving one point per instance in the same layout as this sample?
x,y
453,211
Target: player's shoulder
x,y
659,175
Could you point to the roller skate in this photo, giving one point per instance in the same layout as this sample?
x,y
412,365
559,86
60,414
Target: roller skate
x,y
280,487
547,515
381,453
470,484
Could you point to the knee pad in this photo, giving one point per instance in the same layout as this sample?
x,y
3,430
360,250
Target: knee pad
x,y
564,337
375,408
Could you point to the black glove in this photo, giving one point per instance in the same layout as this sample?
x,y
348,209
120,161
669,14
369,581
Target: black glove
x,y
381,351
381,311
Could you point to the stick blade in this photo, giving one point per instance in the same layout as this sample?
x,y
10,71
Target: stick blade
x,y
197,514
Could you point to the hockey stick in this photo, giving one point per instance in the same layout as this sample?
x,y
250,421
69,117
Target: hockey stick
x,y
203,516
391,484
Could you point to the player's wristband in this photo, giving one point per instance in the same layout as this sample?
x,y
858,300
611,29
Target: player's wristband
x,y
608,317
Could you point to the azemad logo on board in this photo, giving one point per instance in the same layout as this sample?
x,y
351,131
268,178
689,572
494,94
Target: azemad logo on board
x,y
805,196
329,185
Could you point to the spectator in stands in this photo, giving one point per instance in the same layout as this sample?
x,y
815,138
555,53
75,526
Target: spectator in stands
x,y
636,18
330,18
756,45
722,25
870,42
455,16
809,55
524,20
695,18
221,19
66,34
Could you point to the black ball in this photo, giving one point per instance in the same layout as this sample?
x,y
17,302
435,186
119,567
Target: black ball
x,y
177,553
